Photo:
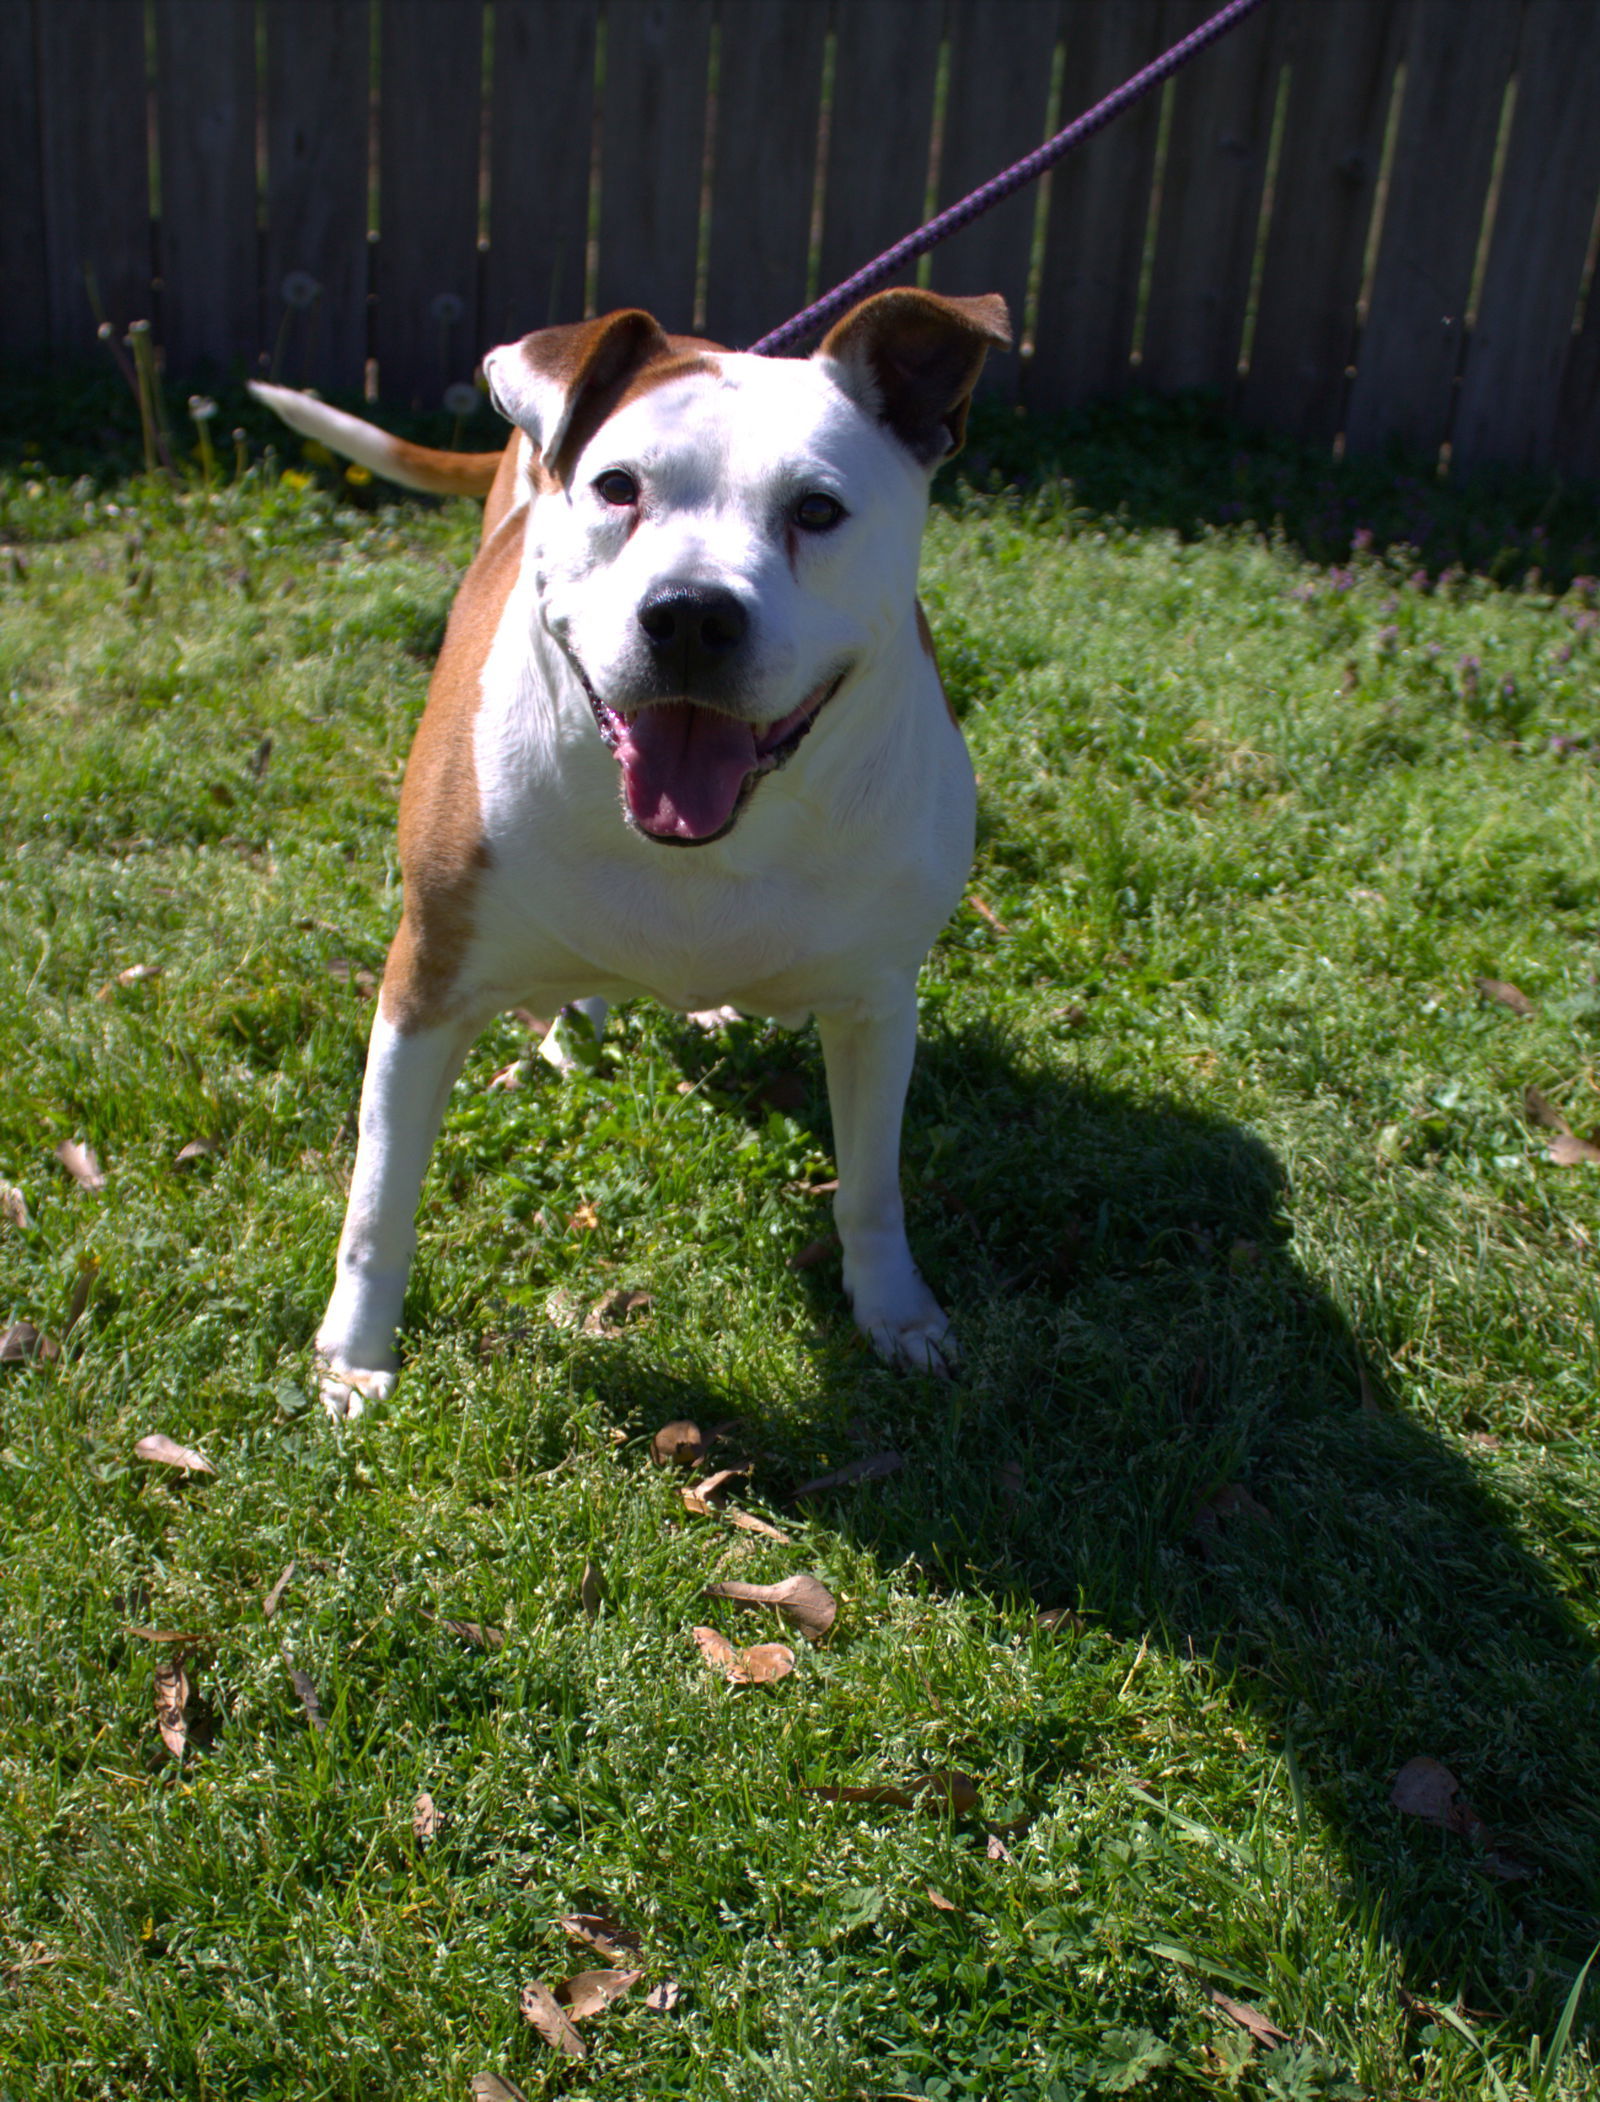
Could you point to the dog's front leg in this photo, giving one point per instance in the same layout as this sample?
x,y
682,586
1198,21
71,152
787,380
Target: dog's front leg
x,y
869,1054
408,1081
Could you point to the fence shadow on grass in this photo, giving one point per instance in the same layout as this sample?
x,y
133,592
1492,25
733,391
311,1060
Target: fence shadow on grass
x,y
1139,1337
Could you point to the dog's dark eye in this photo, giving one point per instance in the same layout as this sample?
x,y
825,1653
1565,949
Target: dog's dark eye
x,y
615,487
818,513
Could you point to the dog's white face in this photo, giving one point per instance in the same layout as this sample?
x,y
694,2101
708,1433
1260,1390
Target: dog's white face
x,y
728,550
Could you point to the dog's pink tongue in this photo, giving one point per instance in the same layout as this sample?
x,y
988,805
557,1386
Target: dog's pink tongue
x,y
683,768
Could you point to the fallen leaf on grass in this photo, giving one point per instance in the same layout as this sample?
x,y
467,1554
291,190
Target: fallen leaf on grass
x,y
607,1316
591,1991
1217,1510
814,1252
1539,1109
1567,1150
944,1789
997,1849
539,2007
425,1818
490,2087
714,1484
591,1589
82,1286
81,1164
163,1451
172,1698
678,1444
804,1600
752,1667
1250,2018
22,1343
188,1636
510,1078
598,1931
274,1598
477,1632
987,912
196,1149
1424,1788
342,969
663,1998
1054,1617
14,1206
1505,994
732,1515
584,1220
939,1902
308,1697
869,1470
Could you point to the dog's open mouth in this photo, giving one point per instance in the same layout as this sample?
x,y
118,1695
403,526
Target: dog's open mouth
x,y
688,769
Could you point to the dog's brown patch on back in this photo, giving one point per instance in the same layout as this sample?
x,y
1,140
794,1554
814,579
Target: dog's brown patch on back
x,y
443,853
925,637
503,494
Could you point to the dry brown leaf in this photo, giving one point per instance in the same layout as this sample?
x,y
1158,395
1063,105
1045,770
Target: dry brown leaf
x,y
896,1798
663,1998
494,2087
137,973
82,1286
987,912
1505,994
751,1667
187,1636
510,1078
591,1589
1250,2018
274,1598
14,1206
608,1316
939,1902
163,1451
477,1632
534,1024
80,1163
679,1443
1539,1109
172,1698
584,1220
1424,1788
804,1600
425,1818
868,1470
747,1524
591,1991
1567,1150
945,1788
196,1149
22,1343
1213,1512
353,974
997,1849
598,1931
712,1487
814,1252
308,1698
539,2007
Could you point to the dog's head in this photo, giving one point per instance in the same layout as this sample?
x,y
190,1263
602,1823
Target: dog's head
x,y
723,541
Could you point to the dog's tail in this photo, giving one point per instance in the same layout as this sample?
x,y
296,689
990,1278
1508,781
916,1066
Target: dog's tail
x,y
412,466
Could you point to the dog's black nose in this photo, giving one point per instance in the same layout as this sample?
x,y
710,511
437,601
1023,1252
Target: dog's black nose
x,y
692,628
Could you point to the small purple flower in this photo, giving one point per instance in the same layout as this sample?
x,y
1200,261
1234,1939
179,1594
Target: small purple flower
x,y
1508,688
1303,594
1432,651
1361,540
1418,580
1340,579
1584,586
1586,622
1386,640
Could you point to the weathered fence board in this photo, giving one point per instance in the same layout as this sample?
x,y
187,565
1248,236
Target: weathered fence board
x,y
1210,207
1342,56
318,64
430,94
541,144
995,109
763,174
652,135
90,56
878,137
1523,331
206,121
1099,205
1458,60
1577,440
25,309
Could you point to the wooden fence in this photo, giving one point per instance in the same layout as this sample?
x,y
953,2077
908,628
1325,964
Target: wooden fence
x,y
1359,220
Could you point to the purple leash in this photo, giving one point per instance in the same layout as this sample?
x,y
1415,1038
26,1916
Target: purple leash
x,y
955,216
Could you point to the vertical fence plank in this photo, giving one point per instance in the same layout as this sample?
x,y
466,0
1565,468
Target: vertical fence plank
x,y
1099,203
206,132
1577,443
542,119
25,309
1523,333
96,169
652,128
430,122
318,85
1210,205
1458,61
995,110
1342,56
877,172
769,101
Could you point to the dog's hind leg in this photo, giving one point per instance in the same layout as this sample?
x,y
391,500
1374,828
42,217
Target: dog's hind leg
x,y
563,1047
869,1057
408,1081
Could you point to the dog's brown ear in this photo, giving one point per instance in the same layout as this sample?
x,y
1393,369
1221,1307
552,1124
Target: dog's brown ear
x,y
912,358
560,384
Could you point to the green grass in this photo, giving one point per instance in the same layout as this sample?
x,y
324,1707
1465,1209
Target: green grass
x,y
1214,1149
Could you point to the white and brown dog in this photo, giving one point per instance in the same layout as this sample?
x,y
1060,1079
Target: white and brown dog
x,y
698,568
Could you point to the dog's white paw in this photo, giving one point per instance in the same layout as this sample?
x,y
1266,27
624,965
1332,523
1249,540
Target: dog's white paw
x,y
906,1326
346,1389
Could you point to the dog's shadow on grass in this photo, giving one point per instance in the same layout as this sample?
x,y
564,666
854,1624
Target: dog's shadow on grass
x,y
1164,1423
